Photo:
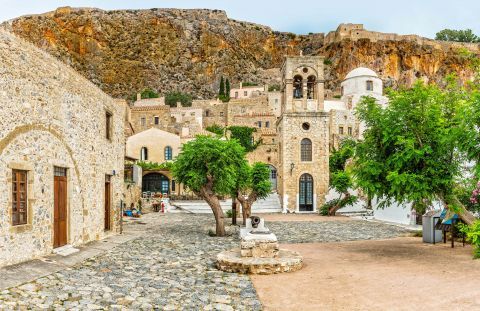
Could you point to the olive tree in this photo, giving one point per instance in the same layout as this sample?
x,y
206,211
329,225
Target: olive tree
x,y
209,167
410,151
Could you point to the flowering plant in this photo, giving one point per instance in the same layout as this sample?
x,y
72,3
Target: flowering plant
x,y
475,196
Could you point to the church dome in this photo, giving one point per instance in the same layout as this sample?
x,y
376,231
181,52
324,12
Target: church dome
x,y
361,72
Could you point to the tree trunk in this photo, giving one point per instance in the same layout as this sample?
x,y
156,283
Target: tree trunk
x,y
214,204
336,207
244,214
234,211
455,206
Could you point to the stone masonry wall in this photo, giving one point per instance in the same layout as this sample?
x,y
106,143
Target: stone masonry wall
x,y
51,116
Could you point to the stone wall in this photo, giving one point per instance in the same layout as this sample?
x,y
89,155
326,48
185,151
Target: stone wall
x,y
148,113
51,116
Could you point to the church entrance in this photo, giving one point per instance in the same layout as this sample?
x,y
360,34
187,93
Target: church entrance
x,y
273,177
306,193
156,182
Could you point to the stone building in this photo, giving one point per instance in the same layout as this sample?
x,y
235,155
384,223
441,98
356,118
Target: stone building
x,y
61,155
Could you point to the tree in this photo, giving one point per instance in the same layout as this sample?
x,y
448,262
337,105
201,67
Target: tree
x,y
216,129
410,149
172,98
227,88
340,177
244,135
253,183
466,35
209,167
148,93
221,92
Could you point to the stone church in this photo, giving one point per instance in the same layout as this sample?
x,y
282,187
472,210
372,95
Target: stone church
x,y
298,126
62,149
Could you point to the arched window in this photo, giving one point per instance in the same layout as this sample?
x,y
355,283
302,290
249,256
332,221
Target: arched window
x,y
168,153
369,85
306,150
144,154
297,87
311,87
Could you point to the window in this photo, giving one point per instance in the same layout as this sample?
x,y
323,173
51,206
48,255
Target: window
x,y
144,154
340,130
369,85
19,197
259,123
349,131
173,185
306,150
108,125
207,113
267,123
168,153
311,87
236,94
156,120
245,93
143,122
306,126
221,113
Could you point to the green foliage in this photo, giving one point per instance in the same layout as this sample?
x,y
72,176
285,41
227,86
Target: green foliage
x,y
221,91
409,152
154,166
146,93
209,160
327,61
249,84
227,88
340,178
244,135
224,98
337,96
216,129
229,213
172,98
473,236
260,180
466,35
274,88
340,202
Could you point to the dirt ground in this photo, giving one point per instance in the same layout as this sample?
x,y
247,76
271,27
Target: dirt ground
x,y
395,274
302,217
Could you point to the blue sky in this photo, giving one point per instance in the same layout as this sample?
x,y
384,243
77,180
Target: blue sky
x,y
423,17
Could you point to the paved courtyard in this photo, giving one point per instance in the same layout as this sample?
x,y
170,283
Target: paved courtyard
x,y
170,266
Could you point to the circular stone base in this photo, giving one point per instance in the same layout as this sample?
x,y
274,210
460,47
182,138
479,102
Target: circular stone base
x,y
232,261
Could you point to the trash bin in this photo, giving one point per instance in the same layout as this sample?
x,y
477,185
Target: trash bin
x,y
429,219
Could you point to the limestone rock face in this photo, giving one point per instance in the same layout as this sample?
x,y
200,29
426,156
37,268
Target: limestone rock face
x,y
125,51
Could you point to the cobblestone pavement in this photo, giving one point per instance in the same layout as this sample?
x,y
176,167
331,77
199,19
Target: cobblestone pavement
x,y
171,267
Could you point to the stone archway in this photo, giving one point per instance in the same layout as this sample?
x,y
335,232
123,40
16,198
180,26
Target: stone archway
x,y
155,182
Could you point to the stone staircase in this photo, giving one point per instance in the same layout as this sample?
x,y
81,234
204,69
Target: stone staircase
x,y
271,204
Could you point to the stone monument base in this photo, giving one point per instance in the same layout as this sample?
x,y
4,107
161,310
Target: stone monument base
x,y
285,261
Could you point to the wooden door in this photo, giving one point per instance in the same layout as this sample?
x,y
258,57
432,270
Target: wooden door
x,y
60,208
107,202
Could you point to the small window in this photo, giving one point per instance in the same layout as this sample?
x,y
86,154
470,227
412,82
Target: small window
x,y
173,185
19,197
259,123
144,154
267,123
143,121
236,94
168,153
207,113
273,140
156,120
349,131
192,114
306,150
221,113
369,85
340,130
245,93
306,126
108,125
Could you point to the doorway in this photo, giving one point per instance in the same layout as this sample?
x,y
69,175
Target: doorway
x,y
60,207
108,191
306,193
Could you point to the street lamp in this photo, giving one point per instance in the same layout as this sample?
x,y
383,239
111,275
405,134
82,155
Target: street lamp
x,y
292,166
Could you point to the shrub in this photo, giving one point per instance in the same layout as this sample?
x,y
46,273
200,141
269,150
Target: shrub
x,y
473,236
272,88
327,61
216,129
229,213
172,98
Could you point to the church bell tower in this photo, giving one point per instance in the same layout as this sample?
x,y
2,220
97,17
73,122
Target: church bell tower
x,y
303,136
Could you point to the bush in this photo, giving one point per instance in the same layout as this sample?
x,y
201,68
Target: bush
x,y
172,98
473,236
216,129
272,88
249,84
229,213
327,61
347,200
224,98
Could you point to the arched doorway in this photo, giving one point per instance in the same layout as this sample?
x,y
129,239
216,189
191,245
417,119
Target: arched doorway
x,y
306,193
273,177
156,182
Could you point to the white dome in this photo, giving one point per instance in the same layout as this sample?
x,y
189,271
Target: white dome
x,y
361,72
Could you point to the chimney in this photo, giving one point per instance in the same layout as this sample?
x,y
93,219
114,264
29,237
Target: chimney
x,y
139,96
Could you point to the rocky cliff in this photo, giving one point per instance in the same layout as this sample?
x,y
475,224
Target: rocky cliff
x,y
125,51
